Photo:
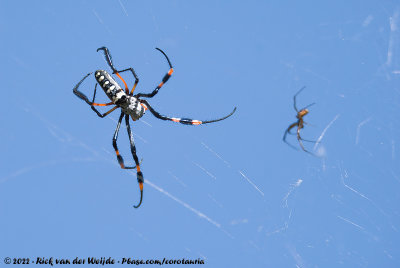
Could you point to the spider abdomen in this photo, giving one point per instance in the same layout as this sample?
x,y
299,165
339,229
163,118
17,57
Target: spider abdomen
x,y
112,89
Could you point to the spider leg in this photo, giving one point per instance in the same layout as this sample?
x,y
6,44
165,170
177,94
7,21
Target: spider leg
x,y
288,132
294,98
308,140
308,124
308,106
108,57
295,104
300,139
95,110
106,113
114,140
134,75
164,80
289,129
82,96
110,63
185,121
291,133
133,151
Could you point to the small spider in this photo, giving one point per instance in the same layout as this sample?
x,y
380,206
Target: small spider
x,y
131,105
299,123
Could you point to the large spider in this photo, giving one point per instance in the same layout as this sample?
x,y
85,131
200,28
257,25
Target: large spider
x,y
131,105
299,123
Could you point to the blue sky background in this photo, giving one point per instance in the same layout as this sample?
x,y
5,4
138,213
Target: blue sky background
x,y
231,193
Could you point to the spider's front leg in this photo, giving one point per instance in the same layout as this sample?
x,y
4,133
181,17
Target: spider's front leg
x,y
163,81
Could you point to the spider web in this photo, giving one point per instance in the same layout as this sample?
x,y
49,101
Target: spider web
x,y
231,193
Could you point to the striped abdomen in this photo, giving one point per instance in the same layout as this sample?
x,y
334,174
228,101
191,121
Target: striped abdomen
x,y
113,91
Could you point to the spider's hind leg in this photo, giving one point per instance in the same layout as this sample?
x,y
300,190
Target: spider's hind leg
x,y
133,151
288,132
114,141
300,139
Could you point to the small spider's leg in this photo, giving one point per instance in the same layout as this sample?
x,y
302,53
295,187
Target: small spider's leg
x,y
83,96
306,123
308,106
185,121
300,139
288,132
309,141
289,129
291,133
164,80
294,98
133,151
115,137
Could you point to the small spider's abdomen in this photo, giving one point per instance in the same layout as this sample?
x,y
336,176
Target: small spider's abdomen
x,y
113,91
